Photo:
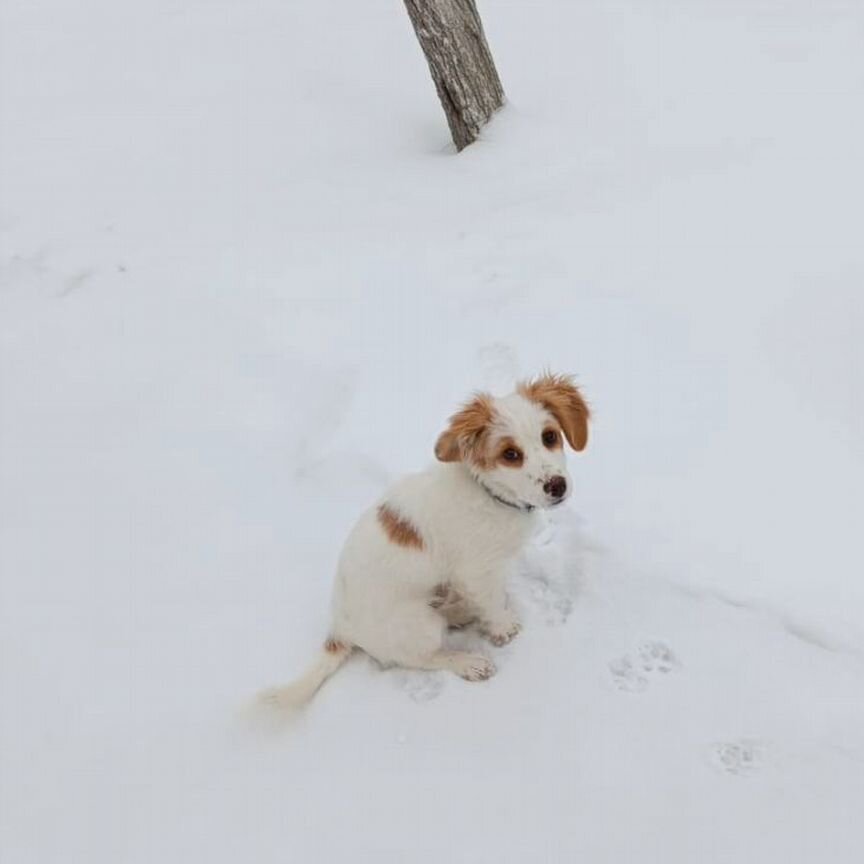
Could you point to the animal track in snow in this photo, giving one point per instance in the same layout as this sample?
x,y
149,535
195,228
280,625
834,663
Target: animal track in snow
x,y
632,674
656,657
553,569
741,758
626,675
554,598
420,686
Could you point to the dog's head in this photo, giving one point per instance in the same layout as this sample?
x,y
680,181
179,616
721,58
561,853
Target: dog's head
x,y
515,445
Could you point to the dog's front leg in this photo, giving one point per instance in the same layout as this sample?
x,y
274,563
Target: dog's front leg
x,y
497,620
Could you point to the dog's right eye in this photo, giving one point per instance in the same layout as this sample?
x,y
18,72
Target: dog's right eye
x,y
511,454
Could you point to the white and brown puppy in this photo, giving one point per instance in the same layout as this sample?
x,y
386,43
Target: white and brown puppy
x,y
434,551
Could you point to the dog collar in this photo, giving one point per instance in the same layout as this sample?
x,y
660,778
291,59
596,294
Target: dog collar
x,y
522,508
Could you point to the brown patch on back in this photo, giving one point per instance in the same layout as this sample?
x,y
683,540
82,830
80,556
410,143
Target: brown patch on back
x,y
466,437
562,399
398,529
334,646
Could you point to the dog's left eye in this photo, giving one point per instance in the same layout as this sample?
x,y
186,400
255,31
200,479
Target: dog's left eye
x,y
510,454
550,437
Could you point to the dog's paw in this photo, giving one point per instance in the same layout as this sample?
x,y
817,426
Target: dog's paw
x,y
473,667
501,634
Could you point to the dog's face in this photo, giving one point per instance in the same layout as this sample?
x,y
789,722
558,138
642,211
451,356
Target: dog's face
x,y
515,445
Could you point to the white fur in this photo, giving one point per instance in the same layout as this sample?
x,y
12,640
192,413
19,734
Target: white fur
x,y
383,591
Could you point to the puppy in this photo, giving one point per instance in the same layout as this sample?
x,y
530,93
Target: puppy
x,y
433,552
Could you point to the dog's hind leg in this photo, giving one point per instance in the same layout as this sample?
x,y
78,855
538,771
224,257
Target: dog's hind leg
x,y
459,614
416,641
457,610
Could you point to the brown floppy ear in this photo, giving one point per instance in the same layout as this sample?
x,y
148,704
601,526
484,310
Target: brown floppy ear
x,y
465,436
562,399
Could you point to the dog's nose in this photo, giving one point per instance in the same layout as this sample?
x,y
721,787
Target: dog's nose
x,y
555,486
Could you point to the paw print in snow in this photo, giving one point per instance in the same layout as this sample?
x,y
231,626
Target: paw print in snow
x,y
420,686
626,676
632,674
656,657
741,758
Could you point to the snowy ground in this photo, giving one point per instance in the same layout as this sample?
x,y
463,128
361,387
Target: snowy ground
x,y
244,279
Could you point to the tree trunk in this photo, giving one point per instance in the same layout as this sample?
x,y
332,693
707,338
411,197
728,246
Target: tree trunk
x,y
462,68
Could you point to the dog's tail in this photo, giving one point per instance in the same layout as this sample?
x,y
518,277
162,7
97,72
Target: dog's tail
x,y
294,696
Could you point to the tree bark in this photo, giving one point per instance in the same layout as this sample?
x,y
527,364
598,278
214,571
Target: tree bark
x,y
452,38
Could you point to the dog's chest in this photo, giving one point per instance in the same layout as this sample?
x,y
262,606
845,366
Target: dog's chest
x,y
486,545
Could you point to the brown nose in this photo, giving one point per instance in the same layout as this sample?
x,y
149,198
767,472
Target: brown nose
x,y
555,486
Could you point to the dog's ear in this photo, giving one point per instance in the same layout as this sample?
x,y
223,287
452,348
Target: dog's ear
x,y
466,434
562,399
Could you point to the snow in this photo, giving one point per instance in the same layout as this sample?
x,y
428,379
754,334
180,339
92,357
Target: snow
x,y
244,279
